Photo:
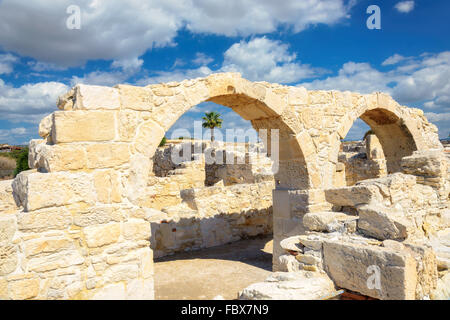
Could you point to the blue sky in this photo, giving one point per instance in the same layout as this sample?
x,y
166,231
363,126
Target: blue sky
x,y
319,44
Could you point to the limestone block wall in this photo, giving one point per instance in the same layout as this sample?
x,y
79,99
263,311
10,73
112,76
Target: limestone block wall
x,y
213,216
80,250
81,229
358,166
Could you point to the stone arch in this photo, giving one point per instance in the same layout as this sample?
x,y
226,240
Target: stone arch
x,y
400,130
94,159
264,104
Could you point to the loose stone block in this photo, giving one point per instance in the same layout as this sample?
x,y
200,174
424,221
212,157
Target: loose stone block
x,y
350,267
77,126
353,196
382,223
303,285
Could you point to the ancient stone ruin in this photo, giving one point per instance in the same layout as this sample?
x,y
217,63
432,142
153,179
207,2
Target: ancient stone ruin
x,y
102,199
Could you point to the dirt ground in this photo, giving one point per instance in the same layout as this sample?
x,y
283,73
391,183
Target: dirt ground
x,y
207,273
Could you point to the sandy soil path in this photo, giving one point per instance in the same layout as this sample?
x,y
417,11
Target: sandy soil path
x,y
207,273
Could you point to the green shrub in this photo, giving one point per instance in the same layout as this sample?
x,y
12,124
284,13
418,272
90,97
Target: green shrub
x,y
163,142
21,161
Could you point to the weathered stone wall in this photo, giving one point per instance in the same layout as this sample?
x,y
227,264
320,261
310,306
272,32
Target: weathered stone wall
x,y
360,161
82,230
213,216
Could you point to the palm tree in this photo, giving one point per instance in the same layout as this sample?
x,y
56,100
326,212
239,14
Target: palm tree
x,y
212,120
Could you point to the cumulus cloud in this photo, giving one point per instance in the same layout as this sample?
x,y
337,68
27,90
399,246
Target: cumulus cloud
x,y
175,75
245,17
415,81
121,30
265,59
256,59
405,6
128,65
6,63
396,58
30,102
121,71
202,59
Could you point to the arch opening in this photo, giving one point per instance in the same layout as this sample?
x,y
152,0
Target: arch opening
x,y
222,203
373,147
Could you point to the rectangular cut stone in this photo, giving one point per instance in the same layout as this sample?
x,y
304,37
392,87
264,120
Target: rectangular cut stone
x,y
56,157
36,190
89,97
136,98
136,229
75,126
55,261
46,245
357,267
352,196
98,236
7,203
44,220
107,155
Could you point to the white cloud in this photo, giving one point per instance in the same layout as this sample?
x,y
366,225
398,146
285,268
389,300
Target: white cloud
x,y
202,59
128,65
100,78
415,81
405,6
6,63
43,66
245,17
359,77
121,30
265,59
175,75
395,59
122,70
257,59
30,102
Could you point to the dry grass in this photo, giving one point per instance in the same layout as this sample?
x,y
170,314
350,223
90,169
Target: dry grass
x,y
7,163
